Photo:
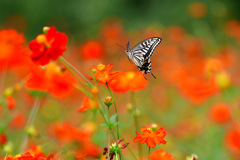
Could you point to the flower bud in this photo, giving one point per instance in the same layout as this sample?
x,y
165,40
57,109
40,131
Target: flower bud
x,y
31,131
192,157
45,29
94,70
8,91
108,101
136,113
154,127
129,107
8,147
223,80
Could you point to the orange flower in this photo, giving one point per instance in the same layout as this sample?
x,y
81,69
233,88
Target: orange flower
x,y
13,51
161,155
92,49
102,73
86,105
29,156
3,139
48,46
11,102
150,137
220,113
18,121
197,10
233,141
53,79
67,133
128,81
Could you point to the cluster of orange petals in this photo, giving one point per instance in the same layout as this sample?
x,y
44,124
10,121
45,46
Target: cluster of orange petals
x,y
86,105
67,133
150,137
48,46
128,81
220,113
102,73
161,155
185,66
14,53
35,153
53,79
92,49
233,141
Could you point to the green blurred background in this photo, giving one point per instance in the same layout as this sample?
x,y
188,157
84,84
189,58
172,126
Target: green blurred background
x,y
82,18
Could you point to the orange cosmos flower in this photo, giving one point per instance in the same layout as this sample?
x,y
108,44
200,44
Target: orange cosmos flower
x,y
53,79
11,102
197,10
128,81
220,113
18,121
150,137
86,105
29,156
13,51
48,46
92,49
67,133
102,73
161,155
3,139
233,141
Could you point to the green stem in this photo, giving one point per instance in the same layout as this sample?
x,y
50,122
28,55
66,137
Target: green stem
x,y
30,121
63,60
70,67
135,118
149,152
116,155
108,134
115,109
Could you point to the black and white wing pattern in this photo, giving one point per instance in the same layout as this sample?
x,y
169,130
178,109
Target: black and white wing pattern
x,y
141,53
146,47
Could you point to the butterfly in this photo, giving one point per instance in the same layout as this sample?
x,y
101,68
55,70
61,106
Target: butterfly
x,y
141,53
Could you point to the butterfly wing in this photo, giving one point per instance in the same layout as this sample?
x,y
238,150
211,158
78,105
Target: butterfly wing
x,y
146,48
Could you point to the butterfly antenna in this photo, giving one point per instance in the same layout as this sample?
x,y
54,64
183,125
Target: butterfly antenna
x,y
153,75
120,45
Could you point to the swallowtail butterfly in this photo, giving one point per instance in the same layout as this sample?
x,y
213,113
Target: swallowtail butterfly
x,y
141,53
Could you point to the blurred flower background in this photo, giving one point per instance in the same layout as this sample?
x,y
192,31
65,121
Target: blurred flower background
x,y
47,112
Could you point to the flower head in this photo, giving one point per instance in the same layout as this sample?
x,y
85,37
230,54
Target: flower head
x,y
108,101
102,73
48,46
53,79
92,49
161,155
150,137
128,81
115,148
220,113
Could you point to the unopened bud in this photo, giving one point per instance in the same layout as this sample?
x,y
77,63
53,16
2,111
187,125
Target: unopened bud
x,y
45,29
31,131
223,80
154,127
136,113
129,107
108,101
8,147
94,70
8,91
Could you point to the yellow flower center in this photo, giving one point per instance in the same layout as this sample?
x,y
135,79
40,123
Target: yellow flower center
x,y
101,67
130,75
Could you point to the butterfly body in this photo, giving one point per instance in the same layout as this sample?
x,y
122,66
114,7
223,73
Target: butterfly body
x,y
141,53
